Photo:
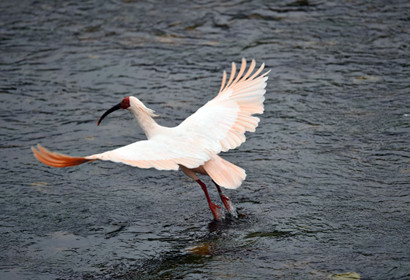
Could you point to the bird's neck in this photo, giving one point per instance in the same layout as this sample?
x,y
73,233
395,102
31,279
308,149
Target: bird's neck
x,y
145,120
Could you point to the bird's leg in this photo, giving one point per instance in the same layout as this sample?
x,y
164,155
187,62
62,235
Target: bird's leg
x,y
226,201
214,208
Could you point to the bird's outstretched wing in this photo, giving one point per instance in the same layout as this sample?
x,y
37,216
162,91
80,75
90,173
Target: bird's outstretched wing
x,y
161,153
222,122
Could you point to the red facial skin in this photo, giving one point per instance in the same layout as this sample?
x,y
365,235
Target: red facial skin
x,y
125,103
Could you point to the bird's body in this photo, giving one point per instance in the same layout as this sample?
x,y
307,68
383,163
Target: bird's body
x,y
194,144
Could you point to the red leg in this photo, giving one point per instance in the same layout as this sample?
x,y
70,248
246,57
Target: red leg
x,y
226,201
214,208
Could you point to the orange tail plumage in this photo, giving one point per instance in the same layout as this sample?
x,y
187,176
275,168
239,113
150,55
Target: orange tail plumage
x,y
56,159
224,173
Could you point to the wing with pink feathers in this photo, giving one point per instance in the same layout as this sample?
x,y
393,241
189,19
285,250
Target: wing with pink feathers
x,y
222,122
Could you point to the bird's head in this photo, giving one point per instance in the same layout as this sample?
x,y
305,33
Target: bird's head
x,y
130,103
124,104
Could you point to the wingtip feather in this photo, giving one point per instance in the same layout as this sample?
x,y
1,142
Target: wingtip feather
x,y
54,159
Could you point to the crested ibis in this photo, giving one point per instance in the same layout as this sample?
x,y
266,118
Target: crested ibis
x,y
192,146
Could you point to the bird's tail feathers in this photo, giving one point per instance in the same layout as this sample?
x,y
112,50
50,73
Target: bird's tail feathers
x,y
224,173
56,159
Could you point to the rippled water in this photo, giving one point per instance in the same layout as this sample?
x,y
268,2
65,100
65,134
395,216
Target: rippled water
x,y
327,193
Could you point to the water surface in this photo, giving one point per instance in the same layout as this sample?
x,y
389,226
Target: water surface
x,y
327,192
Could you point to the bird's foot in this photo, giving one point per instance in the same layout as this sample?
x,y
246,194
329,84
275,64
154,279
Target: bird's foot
x,y
229,205
215,211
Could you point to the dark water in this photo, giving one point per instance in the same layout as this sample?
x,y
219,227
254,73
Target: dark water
x,y
327,194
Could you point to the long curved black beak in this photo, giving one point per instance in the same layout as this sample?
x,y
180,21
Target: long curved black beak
x,y
109,111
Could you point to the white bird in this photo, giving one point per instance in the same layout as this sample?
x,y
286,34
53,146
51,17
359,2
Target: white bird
x,y
193,145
